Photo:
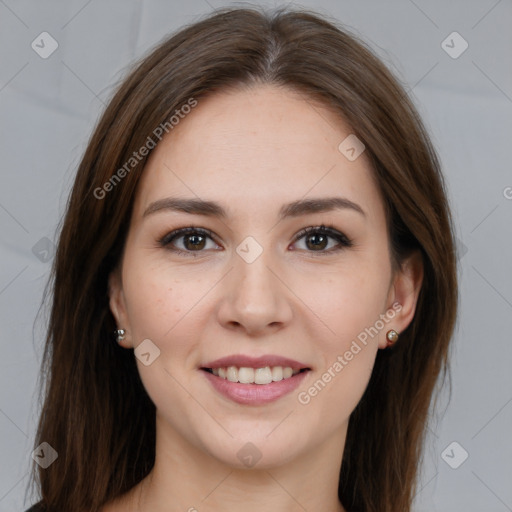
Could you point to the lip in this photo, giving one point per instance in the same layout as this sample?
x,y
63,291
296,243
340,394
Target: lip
x,y
254,394
240,360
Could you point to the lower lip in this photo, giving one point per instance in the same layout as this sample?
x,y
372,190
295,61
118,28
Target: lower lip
x,y
255,394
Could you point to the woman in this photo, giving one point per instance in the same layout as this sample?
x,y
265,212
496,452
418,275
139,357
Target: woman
x,y
261,220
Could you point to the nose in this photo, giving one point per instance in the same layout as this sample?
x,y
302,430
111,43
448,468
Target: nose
x,y
255,297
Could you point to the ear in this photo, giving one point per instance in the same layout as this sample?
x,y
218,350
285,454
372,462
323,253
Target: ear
x,y
118,305
404,293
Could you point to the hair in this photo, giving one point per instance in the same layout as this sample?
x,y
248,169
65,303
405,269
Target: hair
x,y
96,413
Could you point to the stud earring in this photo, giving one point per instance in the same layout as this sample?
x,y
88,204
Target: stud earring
x,y
392,337
119,335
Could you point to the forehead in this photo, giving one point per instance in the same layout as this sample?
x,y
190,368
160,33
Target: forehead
x,y
254,149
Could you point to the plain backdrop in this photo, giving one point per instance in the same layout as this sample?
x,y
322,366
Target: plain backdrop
x,y
49,105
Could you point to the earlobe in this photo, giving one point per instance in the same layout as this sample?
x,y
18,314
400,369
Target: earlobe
x,y
405,291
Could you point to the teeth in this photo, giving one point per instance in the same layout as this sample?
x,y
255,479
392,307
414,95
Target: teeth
x,y
277,373
232,373
246,375
263,375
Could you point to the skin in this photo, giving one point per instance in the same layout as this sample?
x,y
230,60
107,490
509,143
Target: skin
x,y
253,150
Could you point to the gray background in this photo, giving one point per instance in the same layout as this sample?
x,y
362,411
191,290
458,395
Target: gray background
x,y
48,108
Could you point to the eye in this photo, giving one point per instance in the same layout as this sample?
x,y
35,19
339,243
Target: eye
x,y
317,238
194,240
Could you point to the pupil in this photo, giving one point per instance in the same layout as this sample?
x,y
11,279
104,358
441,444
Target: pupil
x,y
195,244
317,235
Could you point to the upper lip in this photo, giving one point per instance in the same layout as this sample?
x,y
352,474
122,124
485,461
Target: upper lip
x,y
240,360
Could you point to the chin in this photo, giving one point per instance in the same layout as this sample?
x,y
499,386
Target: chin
x,y
250,450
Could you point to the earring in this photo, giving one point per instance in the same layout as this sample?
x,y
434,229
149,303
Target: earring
x,y
392,337
119,335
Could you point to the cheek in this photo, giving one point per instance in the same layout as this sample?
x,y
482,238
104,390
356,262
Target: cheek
x,y
167,306
155,300
352,311
157,305
347,301
348,357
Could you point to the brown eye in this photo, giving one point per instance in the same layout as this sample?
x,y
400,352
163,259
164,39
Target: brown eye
x,y
193,240
196,241
317,239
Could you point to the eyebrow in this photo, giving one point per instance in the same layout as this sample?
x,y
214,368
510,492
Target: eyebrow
x,y
213,209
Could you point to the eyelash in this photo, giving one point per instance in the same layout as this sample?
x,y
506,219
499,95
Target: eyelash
x,y
343,241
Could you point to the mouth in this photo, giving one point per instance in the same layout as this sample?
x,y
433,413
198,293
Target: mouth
x,y
255,386
259,376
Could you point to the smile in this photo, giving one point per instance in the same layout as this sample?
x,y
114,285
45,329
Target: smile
x,y
247,375
250,393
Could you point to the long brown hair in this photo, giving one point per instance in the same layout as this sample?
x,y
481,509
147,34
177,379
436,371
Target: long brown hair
x,y
96,413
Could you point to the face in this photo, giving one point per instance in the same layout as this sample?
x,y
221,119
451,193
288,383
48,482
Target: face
x,y
252,284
